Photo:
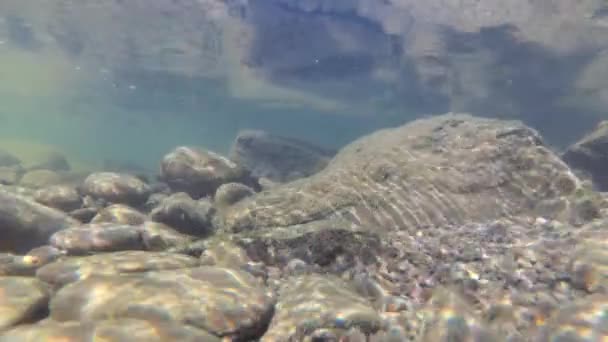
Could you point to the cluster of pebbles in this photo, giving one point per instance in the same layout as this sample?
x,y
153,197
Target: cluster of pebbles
x,y
453,228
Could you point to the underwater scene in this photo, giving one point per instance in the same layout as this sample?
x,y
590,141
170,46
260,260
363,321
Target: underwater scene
x,y
304,170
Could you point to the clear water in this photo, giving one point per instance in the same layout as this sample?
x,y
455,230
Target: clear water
x,y
130,80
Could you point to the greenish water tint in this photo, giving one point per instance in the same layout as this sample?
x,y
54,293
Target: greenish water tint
x,y
128,82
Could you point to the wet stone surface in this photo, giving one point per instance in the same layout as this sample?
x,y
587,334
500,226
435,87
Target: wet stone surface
x,y
116,188
449,169
40,178
230,193
103,237
222,252
189,216
590,155
313,305
26,224
8,159
54,161
221,301
582,320
26,265
62,197
119,213
332,244
10,175
277,158
111,237
72,269
123,330
159,237
22,300
199,172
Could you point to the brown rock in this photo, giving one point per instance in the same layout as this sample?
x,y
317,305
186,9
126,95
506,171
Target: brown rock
x,y
22,300
124,330
40,178
448,169
119,213
116,188
25,224
198,172
224,302
62,197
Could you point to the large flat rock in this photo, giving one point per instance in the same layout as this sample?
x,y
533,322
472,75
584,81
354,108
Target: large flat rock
x,y
224,302
449,169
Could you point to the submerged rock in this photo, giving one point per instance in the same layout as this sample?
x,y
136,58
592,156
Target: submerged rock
x,y
84,215
223,253
224,302
116,188
588,264
323,307
124,166
54,161
25,224
72,269
26,265
332,244
230,193
448,317
159,237
40,178
22,300
10,175
581,320
198,172
8,159
112,237
180,211
102,237
123,330
448,169
277,158
590,155
63,197
119,213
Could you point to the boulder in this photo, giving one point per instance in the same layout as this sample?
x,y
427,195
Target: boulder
x,y
54,161
40,178
590,155
10,175
112,237
63,197
26,265
185,214
320,307
22,300
230,193
26,224
119,213
199,172
8,159
224,302
277,158
116,188
448,169
132,330
72,269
